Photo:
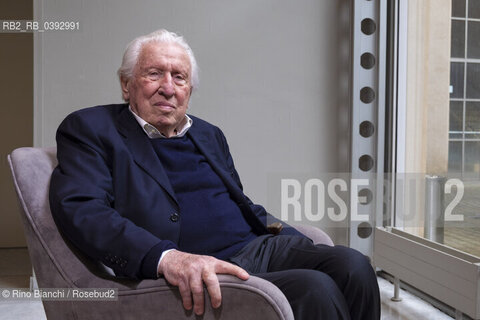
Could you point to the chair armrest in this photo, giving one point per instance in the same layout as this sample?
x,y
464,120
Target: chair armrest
x,y
270,302
317,235
152,299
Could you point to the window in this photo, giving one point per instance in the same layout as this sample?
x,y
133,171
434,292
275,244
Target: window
x,y
434,150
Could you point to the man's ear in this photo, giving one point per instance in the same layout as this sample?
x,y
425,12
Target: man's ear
x,y
125,93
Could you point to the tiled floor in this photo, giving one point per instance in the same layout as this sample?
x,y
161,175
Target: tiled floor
x,y
410,308
15,272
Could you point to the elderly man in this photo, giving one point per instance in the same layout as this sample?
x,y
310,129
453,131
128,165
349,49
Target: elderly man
x,y
151,192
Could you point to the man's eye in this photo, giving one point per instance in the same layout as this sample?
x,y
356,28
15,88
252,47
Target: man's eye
x,y
154,75
179,79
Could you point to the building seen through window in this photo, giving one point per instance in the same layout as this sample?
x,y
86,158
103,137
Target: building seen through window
x,y
464,128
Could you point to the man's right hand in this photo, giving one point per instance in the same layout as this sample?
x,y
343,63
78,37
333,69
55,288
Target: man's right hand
x,y
190,271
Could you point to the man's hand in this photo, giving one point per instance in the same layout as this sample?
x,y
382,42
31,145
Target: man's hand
x,y
190,271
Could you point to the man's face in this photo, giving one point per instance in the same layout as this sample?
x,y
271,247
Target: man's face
x,y
160,88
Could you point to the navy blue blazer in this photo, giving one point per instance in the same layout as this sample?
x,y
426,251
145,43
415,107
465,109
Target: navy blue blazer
x,y
111,196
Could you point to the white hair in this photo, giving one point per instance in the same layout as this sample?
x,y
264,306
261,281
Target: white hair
x,y
130,56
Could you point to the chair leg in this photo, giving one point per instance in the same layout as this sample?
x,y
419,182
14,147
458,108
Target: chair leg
x,y
33,281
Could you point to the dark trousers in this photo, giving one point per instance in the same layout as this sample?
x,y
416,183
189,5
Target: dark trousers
x,y
319,281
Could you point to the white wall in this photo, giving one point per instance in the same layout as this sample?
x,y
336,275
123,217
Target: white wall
x,y
272,74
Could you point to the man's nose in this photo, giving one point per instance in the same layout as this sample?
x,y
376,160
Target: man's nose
x,y
167,88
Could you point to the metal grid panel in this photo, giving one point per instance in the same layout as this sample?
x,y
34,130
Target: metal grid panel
x,y
368,115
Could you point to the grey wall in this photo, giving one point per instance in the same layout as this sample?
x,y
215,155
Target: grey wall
x,y
272,74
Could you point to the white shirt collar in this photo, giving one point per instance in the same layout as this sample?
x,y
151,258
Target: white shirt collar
x,y
153,132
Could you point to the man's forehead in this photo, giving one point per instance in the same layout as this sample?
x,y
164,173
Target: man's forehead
x,y
157,50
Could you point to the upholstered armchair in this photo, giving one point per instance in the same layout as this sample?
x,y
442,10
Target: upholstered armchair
x,y
58,264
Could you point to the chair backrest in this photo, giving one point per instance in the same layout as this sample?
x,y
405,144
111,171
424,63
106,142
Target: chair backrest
x,y
55,261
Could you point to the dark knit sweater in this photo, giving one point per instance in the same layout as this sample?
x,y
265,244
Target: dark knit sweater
x,y
211,222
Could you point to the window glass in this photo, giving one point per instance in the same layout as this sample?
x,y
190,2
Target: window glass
x,y
458,8
472,154
456,79
473,39
442,128
473,81
455,156
458,39
456,119
473,9
472,120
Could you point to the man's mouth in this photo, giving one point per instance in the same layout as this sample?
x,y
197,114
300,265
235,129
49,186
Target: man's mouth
x,y
164,106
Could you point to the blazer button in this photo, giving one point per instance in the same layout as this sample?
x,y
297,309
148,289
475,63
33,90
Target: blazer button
x,y
174,217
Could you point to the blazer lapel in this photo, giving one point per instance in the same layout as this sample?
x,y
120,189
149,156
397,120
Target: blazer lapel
x,y
142,151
